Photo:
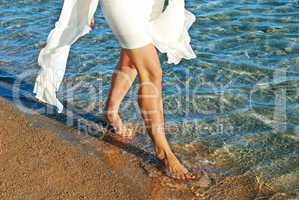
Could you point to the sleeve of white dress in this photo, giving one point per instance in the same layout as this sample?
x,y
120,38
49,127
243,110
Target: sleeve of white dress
x,y
72,24
169,32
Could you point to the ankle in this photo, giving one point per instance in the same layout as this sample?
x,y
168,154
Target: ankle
x,y
111,115
163,154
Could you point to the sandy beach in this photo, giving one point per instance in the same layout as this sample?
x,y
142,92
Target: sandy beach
x,y
37,163
41,158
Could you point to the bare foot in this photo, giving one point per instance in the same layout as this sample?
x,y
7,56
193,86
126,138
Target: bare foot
x,y
175,168
117,126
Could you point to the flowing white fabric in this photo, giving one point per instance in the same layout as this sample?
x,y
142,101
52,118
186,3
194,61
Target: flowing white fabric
x,y
169,32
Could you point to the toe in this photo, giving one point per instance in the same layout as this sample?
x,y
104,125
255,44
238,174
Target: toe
x,y
189,176
176,177
180,176
173,175
128,134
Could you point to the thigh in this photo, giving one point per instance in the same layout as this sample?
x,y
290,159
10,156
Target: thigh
x,y
124,60
146,60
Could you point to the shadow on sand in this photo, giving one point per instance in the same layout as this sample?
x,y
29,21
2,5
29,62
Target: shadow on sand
x,y
92,124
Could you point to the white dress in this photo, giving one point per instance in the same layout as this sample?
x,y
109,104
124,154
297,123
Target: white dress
x,y
135,23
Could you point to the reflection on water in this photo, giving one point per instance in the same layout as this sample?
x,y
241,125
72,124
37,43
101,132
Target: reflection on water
x,y
239,98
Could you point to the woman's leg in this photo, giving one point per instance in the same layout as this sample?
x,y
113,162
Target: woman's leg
x,y
122,79
147,63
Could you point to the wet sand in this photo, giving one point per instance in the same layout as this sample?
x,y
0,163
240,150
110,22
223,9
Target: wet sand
x,y
41,158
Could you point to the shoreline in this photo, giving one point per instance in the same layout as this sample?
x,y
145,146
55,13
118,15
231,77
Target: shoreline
x,y
43,158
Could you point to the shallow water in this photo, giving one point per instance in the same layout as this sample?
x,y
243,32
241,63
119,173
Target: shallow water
x,y
239,98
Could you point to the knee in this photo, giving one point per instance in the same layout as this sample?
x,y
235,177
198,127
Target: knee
x,y
122,65
152,73
125,62
147,63
155,75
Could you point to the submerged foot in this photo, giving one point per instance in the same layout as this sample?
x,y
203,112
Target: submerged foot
x,y
117,127
174,167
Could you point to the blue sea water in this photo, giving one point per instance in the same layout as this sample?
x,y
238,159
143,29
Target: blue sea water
x,y
239,97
